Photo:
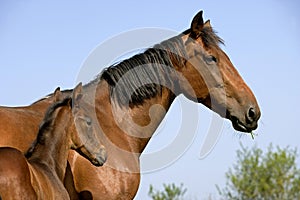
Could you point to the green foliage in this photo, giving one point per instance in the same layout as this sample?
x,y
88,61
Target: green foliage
x,y
273,175
170,192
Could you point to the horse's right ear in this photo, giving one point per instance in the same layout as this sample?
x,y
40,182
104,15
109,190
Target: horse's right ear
x,y
77,94
57,95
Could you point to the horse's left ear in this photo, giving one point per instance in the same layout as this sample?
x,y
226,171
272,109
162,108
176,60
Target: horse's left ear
x,y
77,95
57,95
197,25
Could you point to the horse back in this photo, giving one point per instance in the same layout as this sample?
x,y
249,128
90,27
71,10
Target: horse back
x,y
19,125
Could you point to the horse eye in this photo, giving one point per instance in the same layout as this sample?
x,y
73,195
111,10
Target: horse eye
x,y
210,59
88,121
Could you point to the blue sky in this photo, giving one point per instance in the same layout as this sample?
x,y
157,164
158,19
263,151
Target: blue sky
x,y
44,44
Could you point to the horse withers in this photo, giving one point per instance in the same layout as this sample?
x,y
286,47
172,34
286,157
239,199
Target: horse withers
x,y
39,174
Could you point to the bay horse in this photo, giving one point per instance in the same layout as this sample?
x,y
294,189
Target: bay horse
x,y
130,99
40,173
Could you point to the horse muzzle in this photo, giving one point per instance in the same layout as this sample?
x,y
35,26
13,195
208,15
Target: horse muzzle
x,y
100,158
246,123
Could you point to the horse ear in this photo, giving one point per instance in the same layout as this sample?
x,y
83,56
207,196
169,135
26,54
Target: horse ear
x,y
77,94
57,95
197,25
207,25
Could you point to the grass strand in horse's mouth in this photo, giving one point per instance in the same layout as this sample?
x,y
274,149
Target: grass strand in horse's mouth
x,y
240,127
252,135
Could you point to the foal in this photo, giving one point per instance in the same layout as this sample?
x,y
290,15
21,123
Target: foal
x,y
40,174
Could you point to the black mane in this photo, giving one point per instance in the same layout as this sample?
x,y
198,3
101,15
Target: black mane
x,y
143,75
47,124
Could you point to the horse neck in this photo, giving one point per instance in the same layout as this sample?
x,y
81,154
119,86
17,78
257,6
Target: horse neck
x,y
132,98
156,109
55,142
142,119
123,139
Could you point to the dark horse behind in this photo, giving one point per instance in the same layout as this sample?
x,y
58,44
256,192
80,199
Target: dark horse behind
x,y
124,99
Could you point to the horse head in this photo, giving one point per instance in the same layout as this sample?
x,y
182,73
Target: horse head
x,y
85,131
209,77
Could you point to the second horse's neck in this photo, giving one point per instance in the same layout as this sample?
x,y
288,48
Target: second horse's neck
x,y
52,150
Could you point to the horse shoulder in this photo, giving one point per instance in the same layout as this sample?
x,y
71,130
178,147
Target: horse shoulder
x,y
15,180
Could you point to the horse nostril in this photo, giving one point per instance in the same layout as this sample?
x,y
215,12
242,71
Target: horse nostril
x,y
251,114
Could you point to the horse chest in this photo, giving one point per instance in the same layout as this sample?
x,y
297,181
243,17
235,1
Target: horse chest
x,y
46,184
